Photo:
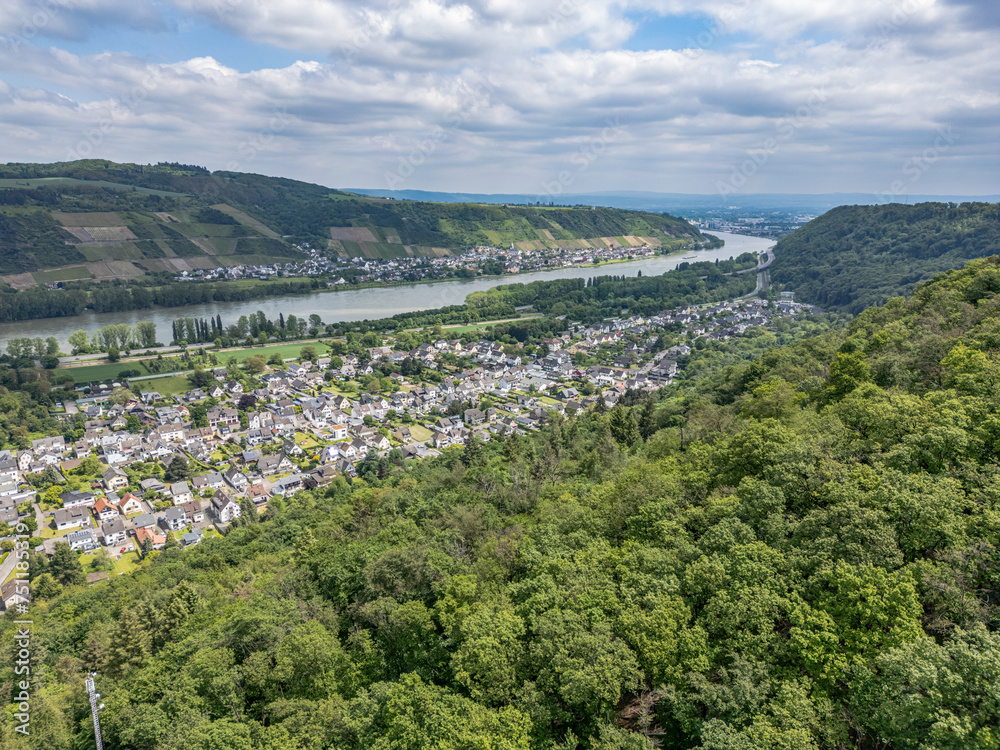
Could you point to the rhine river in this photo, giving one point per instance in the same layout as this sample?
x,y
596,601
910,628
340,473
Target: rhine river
x,y
368,303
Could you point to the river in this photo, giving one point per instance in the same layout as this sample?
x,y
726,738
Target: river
x,y
359,304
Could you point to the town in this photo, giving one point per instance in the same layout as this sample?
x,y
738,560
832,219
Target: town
x,y
150,472
474,261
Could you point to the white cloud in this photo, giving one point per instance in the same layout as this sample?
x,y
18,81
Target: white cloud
x,y
494,95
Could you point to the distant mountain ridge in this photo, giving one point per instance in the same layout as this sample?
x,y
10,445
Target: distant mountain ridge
x,y
676,202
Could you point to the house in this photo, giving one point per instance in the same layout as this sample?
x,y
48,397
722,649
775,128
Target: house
x,y
288,485
144,521
157,540
14,592
113,531
193,511
275,463
380,442
84,539
180,493
223,507
236,479
129,504
211,481
152,485
403,434
258,494
115,479
105,510
175,518
75,499
474,416
76,517
191,538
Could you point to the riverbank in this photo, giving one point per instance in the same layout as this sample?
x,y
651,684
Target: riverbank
x,y
354,304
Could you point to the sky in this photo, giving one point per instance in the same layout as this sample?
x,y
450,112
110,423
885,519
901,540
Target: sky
x,y
887,97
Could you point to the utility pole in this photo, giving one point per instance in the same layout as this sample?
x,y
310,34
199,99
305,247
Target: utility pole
x,y
94,708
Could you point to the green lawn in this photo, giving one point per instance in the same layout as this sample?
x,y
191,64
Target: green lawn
x,y
109,371
127,563
62,274
166,386
287,351
420,433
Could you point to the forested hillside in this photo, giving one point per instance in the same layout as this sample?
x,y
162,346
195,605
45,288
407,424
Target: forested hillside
x,y
854,257
34,236
795,552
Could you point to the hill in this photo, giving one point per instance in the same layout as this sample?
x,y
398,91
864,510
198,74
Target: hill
x,y
856,256
800,551
98,219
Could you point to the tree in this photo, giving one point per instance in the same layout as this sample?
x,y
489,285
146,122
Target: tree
x,y
80,341
624,427
113,354
65,565
256,364
145,334
308,353
131,644
472,454
248,512
121,396
199,415
178,470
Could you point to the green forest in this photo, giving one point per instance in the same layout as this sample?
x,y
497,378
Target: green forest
x,y
854,257
798,551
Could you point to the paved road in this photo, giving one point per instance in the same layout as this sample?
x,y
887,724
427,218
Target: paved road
x,y
762,274
98,360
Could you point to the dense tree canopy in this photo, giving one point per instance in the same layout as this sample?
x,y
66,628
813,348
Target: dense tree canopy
x,y
798,551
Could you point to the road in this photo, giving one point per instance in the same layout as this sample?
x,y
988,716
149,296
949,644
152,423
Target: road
x,y
762,274
97,359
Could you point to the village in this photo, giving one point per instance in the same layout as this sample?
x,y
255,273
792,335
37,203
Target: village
x,y
169,471
474,261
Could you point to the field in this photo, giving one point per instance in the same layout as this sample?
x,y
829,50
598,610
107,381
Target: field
x,y
62,274
88,373
106,371
420,433
287,351
170,385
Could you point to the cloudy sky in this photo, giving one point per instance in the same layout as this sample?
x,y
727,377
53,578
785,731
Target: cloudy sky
x,y
891,97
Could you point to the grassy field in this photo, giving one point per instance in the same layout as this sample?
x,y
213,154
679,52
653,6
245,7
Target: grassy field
x,y
88,373
420,433
287,351
167,386
62,274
